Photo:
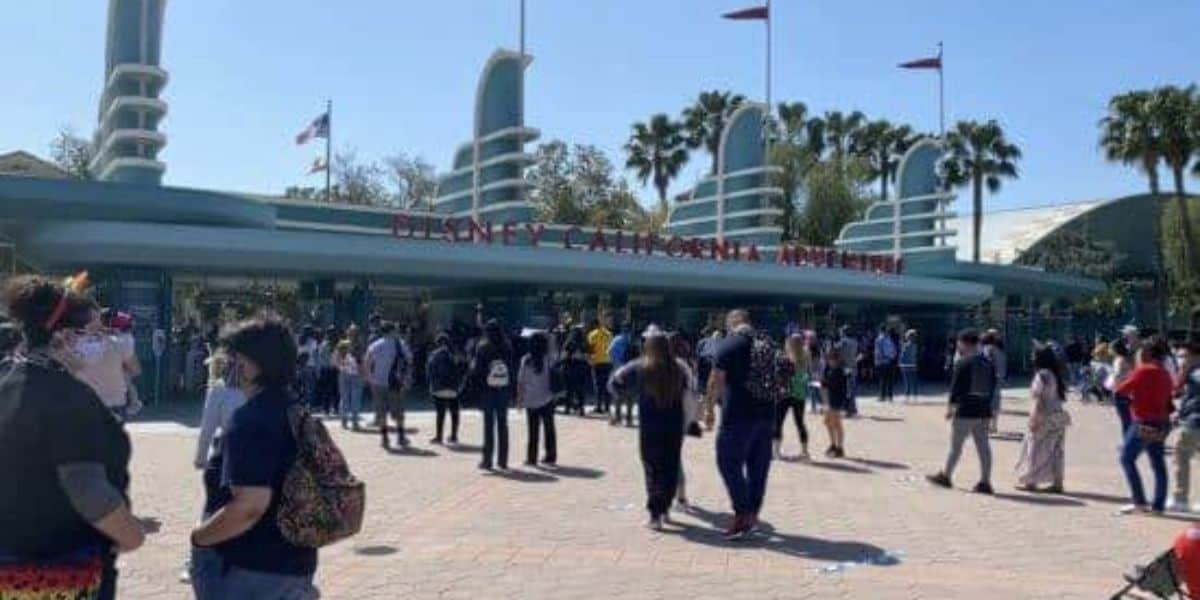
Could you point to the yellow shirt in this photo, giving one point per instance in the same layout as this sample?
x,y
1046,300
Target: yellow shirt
x,y
598,341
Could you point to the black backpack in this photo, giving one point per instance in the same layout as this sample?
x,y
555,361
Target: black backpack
x,y
398,375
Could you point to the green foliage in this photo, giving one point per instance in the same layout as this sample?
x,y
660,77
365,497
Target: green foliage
x,y
1071,252
72,154
1183,282
358,182
833,198
578,186
978,155
704,121
1128,134
656,152
414,179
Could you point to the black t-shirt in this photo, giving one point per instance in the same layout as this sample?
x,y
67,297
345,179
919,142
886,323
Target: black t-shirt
x,y
972,385
48,418
257,451
833,381
733,357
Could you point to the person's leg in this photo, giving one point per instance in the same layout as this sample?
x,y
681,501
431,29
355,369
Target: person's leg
x,y
983,448
600,375
758,466
343,398
1185,447
240,583
831,428
396,402
455,409
839,430
852,387
883,382
440,405
658,496
531,447
356,394
205,570
681,489
798,415
731,459
501,431
1129,454
489,431
781,408
1121,404
547,414
1158,464
958,434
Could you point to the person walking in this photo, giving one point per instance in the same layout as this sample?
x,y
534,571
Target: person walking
x,y
660,383
1149,388
835,391
793,368
444,373
64,459
350,383
993,350
744,377
681,350
536,397
909,353
599,338
1043,451
387,370
1122,367
847,347
489,382
972,388
816,371
886,354
1189,423
238,550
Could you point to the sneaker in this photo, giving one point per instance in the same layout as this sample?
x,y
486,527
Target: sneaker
x,y
1177,506
531,463
550,463
831,451
839,452
454,439
985,488
683,505
775,453
1134,509
737,531
436,441
404,443
655,524
485,466
940,480
1054,489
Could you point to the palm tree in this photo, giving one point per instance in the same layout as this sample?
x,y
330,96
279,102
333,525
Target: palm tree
x,y
797,128
881,145
1128,136
704,121
1172,110
839,130
657,152
979,155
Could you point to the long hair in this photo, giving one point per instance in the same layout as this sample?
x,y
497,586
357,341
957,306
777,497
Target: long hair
x,y
797,352
1045,358
538,347
661,377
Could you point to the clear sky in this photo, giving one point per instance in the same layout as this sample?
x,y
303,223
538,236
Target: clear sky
x,y
246,76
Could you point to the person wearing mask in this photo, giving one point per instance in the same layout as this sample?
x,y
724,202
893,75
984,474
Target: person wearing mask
x,y
64,509
238,549
993,350
906,362
886,354
599,338
350,383
1189,422
489,382
121,326
1149,388
386,371
847,347
972,389
1043,451
444,374
535,396
744,377
660,383
793,367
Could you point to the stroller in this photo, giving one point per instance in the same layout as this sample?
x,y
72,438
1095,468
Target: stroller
x,y
1160,578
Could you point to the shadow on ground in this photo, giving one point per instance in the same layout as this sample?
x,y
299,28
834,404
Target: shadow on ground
x,y
774,540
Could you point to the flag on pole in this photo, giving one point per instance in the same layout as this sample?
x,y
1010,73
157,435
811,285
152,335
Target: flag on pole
x,y
319,128
318,165
756,13
933,62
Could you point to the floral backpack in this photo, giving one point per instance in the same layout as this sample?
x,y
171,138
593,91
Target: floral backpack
x,y
321,501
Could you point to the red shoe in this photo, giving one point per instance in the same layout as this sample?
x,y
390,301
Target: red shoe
x,y
738,530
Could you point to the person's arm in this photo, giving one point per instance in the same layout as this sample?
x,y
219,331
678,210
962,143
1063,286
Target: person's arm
x,y
618,382
88,490
252,455
247,506
960,381
209,419
1132,382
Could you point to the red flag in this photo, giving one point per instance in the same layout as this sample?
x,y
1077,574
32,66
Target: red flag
x,y
934,62
318,166
761,13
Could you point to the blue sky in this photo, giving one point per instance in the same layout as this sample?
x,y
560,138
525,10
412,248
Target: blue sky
x,y
247,76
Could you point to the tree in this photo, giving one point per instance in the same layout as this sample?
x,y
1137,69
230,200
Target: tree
x,y
72,154
832,199
704,121
839,130
656,151
979,155
358,182
1072,252
414,179
1128,137
1173,111
307,193
1183,284
797,144
578,186
881,145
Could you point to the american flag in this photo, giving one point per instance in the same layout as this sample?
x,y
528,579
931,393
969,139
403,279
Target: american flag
x,y
319,128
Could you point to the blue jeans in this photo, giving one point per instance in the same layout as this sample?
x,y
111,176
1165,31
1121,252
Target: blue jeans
x,y
350,391
1122,405
1133,448
744,460
909,374
495,427
212,579
852,392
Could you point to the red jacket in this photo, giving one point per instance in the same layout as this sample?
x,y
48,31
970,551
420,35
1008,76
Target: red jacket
x,y
1149,389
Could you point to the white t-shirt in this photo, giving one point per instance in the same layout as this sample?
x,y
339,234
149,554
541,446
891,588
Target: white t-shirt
x,y
102,358
380,356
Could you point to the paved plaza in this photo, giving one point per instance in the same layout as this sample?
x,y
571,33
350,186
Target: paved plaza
x,y
867,526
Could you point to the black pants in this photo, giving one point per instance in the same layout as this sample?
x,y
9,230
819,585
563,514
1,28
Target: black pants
x,y
600,375
661,463
327,389
887,381
624,401
574,401
539,419
441,405
494,405
781,411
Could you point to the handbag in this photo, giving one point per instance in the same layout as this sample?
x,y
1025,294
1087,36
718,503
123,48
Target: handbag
x,y
1151,434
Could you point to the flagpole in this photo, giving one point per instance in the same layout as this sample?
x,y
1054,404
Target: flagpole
x,y
328,146
941,93
522,29
768,20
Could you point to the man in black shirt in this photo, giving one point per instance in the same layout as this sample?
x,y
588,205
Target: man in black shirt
x,y
970,410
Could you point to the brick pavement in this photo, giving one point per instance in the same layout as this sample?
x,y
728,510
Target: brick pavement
x,y
437,528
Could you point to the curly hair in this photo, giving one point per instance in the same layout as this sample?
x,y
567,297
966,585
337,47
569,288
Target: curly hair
x,y
32,299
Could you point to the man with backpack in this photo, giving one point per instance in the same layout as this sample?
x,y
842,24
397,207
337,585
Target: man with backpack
x,y
491,381
972,385
744,376
387,366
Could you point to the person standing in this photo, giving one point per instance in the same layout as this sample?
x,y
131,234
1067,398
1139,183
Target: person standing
x,y
816,371
387,363
536,397
909,353
622,349
1189,422
444,374
350,383
327,372
993,350
793,369
1122,366
1043,451
489,382
835,390
972,386
660,383
575,373
1149,389
744,377
706,356
238,550
886,354
598,341
104,363
847,348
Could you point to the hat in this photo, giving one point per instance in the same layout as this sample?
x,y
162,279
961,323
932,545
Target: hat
x,y
1129,329
653,331
528,332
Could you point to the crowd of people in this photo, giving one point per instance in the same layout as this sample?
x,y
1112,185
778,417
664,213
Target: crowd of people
x,y
62,528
